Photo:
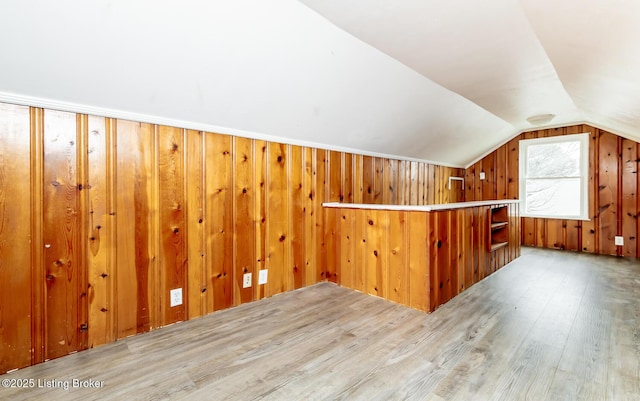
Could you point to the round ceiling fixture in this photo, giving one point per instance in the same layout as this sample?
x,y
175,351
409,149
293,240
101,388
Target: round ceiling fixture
x,y
540,119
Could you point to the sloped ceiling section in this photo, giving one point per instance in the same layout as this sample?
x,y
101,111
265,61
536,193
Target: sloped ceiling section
x,y
516,59
439,81
594,47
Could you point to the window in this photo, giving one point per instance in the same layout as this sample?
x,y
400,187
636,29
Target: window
x,y
554,177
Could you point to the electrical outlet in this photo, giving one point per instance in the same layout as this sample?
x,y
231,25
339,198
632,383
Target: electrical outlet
x,y
175,297
246,280
262,277
482,175
619,240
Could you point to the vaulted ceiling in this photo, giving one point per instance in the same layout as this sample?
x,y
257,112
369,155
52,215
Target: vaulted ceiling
x,y
443,81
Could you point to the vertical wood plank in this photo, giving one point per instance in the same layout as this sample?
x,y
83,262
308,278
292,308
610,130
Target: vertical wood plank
x,y
383,267
373,235
360,262
244,222
157,281
172,254
347,168
444,247
513,165
358,179
475,244
112,176
297,265
414,190
378,180
320,184
219,218
432,247
135,209
454,251
430,179
637,204
607,192
441,174
469,183
61,234
391,183
368,179
260,189
422,183
16,196
442,194
100,228
308,203
554,232
540,230
195,238
277,223
573,229
397,256
346,257
501,172
332,245
483,256
82,212
478,192
589,234
334,190
404,170
465,222
418,257
38,297
489,188
629,198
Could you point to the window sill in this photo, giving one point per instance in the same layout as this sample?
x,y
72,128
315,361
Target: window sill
x,y
555,217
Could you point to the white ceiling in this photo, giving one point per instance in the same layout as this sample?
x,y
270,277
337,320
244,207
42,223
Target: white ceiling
x,y
444,81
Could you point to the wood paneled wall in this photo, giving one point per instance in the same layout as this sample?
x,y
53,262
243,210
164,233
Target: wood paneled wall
x,y
100,218
417,259
613,194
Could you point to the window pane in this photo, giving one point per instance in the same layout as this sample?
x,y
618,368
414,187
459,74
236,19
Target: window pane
x,y
554,160
553,197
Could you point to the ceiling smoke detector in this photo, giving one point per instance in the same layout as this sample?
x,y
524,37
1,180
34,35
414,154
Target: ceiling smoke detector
x,y
540,119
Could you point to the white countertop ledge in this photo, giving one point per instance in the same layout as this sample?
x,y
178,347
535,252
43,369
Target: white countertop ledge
x,y
419,208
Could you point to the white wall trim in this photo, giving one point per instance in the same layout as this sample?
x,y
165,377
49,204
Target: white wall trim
x,y
33,101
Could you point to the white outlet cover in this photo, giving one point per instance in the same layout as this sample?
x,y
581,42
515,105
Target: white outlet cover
x,y
262,277
482,175
619,241
175,297
246,280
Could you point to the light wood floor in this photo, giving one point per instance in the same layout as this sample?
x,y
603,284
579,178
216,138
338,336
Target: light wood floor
x,y
550,326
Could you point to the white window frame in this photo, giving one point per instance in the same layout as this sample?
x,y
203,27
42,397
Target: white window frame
x,y
584,173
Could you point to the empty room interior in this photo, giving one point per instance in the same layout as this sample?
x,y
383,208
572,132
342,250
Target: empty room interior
x,y
319,200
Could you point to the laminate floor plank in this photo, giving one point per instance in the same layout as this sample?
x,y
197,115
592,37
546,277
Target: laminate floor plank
x,y
551,325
